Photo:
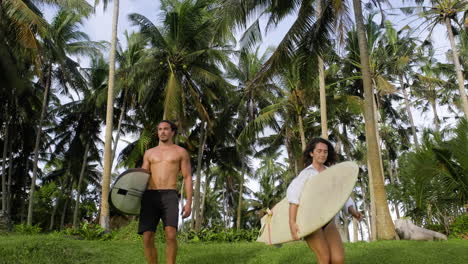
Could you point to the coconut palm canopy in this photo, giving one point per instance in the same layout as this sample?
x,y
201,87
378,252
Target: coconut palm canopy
x,y
249,83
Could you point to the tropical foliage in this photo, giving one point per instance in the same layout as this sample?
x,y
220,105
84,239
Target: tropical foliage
x,y
245,112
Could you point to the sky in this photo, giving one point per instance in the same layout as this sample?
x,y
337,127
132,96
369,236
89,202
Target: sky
x,y
98,27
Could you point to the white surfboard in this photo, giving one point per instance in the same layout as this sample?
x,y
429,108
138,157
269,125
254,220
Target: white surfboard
x,y
321,199
125,195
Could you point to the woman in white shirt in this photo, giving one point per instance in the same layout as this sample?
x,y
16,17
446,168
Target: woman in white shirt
x,y
326,241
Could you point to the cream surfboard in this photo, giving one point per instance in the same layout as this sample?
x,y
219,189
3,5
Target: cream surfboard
x,y
125,195
321,199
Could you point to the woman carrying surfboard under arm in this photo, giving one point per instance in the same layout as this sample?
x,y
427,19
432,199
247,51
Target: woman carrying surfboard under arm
x,y
326,241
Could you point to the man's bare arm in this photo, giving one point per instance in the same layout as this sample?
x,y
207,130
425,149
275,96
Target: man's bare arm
x,y
146,163
186,170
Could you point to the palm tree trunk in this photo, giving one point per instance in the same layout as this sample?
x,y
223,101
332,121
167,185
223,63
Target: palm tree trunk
x,y
26,177
78,188
385,227
323,94
4,158
377,133
67,197
301,132
119,125
346,229
36,145
436,116
52,216
361,230
202,207
117,136
291,158
239,203
10,172
408,111
182,202
371,207
456,60
105,185
201,147
355,230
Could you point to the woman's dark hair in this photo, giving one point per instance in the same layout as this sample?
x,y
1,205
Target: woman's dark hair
x,y
172,124
331,159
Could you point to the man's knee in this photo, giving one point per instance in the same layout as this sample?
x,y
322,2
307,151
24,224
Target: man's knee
x,y
171,234
337,259
148,239
323,258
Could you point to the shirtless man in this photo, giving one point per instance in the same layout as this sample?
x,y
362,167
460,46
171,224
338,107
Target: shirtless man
x,y
160,200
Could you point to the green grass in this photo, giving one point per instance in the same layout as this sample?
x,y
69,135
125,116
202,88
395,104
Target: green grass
x,y
53,249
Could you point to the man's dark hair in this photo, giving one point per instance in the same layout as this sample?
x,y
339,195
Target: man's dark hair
x,y
331,158
172,124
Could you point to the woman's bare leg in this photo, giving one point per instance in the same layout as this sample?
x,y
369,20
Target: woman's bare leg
x,y
318,243
335,245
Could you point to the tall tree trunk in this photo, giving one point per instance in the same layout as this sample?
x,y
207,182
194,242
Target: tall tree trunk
x,y
239,203
371,207
456,60
436,116
10,173
78,188
105,185
301,132
25,179
323,93
385,228
119,125
52,216
355,230
346,228
37,142
408,111
57,203
182,202
392,181
291,158
4,173
201,147
323,99
202,207
377,133
68,188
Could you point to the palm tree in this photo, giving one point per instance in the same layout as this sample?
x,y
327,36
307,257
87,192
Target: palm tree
x,y
65,40
186,57
251,101
385,228
186,54
27,19
105,185
445,12
430,84
433,181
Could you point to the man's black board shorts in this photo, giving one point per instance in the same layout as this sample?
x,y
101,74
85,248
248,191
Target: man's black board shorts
x,y
156,205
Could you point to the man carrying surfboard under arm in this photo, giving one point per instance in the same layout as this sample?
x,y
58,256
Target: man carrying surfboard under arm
x,y
326,241
160,200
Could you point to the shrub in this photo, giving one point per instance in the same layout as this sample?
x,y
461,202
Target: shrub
x,y
459,228
437,227
88,232
27,229
215,234
129,233
219,234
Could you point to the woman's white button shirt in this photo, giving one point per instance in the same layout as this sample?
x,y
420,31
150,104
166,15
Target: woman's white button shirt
x,y
295,188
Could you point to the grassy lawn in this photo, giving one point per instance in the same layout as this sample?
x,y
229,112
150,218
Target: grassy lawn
x,y
59,249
